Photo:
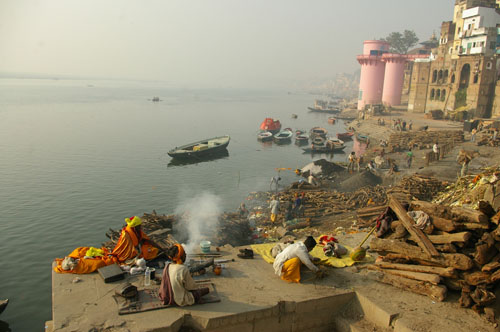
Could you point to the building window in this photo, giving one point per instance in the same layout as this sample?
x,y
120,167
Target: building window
x,y
432,94
440,76
443,95
445,76
489,65
434,76
452,78
450,50
476,77
438,94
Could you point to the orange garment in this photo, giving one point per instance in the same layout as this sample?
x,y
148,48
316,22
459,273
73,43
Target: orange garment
x,y
273,217
128,244
85,265
291,270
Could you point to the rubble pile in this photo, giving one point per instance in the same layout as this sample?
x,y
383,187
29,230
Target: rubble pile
x,y
423,139
441,248
468,191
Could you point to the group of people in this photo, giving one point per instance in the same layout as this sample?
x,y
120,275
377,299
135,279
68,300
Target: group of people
x,y
294,208
400,124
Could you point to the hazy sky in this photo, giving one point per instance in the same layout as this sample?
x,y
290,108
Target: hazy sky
x,y
204,43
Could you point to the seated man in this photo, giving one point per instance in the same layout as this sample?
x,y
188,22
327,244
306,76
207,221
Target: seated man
x,y
133,243
287,263
177,285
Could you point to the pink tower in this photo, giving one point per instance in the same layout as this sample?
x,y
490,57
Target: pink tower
x,y
371,82
393,81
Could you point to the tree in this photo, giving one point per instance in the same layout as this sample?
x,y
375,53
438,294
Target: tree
x,y
401,42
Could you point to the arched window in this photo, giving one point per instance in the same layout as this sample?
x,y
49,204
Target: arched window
x,y
450,50
489,65
464,77
438,94
434,76
445,76
453,78
432,94
440,75
443,95
476,78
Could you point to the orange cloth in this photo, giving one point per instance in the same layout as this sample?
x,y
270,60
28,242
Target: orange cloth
x,y
273,217
180,252
291,270
128,244
85,265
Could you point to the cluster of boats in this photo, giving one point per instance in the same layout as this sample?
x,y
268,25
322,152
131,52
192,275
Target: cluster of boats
x,y
318,137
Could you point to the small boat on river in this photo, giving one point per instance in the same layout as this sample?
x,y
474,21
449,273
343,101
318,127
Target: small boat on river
x,y
345,136
265,136
3,305
362,138
284,136
317,131
331,120
321,106
301,139
269,124
201,149
324,149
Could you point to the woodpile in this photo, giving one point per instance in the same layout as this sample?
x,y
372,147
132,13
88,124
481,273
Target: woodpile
x,y
423,139
457,250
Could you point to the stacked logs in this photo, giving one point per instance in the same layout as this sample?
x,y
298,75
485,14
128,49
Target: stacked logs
x,y
458,250
423,139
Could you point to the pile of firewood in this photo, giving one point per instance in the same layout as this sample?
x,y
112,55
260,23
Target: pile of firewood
x,y
423,139
419,186
459,250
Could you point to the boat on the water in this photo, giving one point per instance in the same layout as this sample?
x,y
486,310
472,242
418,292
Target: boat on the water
x,y
331,120
190,161
201,149
345,136
265,136
317,131
284,136
362,138
301,139
3,305
318,140
299,132
269,124
322,106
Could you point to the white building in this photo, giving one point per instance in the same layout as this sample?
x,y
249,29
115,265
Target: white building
x,y
479,31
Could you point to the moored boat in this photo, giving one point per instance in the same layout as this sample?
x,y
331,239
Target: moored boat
x,y
318,131
362,138
301,139
3,305
269,124
265,136
318,140
284,136
299,132
322,106
345,136
200,149
323,149
331,120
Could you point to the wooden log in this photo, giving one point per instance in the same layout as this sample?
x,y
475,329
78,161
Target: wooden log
x,y
496,218
449,237
484,253
447,248
441,271
486,208
468,215
457,261
443,224
458,213
475,226
431,278
422,239
476,278
436,292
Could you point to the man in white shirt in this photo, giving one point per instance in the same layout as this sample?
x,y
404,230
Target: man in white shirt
x,y
287,263
435,149
275,208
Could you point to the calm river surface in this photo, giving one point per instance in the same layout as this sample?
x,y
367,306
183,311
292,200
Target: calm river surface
x,y
79,156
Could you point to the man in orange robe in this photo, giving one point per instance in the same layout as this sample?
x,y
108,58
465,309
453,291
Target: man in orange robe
x,y
134,243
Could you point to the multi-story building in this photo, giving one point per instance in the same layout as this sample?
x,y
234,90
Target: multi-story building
x,y
463,68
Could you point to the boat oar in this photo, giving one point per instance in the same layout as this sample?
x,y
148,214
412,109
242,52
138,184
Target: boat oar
x,y
359,253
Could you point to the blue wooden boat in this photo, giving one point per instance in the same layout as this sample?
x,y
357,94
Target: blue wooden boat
x,y
362,138
283,137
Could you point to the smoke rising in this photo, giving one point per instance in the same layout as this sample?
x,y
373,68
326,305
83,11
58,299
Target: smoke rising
x,y
199,219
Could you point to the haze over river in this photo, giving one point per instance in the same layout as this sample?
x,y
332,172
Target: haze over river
x,y
77,157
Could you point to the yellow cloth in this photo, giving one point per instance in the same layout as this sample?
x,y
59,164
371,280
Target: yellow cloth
x,y
85,265
265,251
134,221
291,270
273,217
94,252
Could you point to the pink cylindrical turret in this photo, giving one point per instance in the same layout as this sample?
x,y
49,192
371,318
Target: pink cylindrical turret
x,y
393,78
371,82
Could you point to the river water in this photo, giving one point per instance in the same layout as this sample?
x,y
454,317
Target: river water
x,y
77,157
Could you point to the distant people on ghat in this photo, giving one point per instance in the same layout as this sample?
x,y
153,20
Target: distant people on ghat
x,y
275,208
287,263
274,181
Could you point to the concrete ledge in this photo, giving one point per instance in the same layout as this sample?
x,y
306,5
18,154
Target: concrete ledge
x,y
374,313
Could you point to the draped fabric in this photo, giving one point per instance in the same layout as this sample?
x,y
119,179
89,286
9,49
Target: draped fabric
x,y
133,243
85,265
291,270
